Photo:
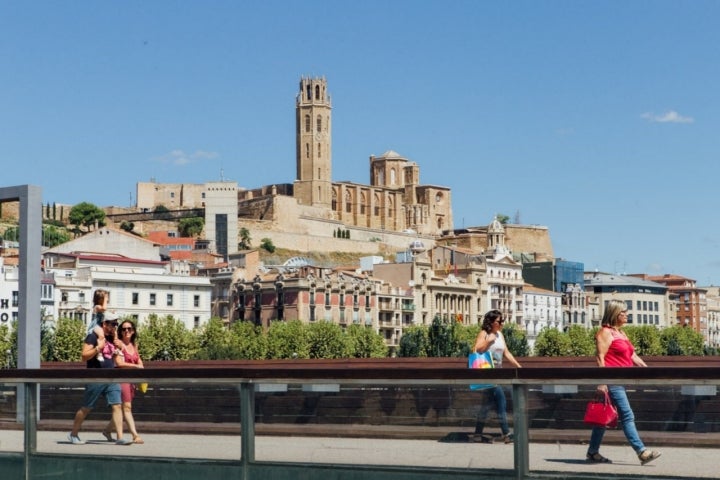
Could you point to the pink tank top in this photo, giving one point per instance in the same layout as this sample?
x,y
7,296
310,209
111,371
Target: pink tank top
x,y
131,357
620,352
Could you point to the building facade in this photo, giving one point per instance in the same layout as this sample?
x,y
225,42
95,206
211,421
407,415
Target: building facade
x,y
648,302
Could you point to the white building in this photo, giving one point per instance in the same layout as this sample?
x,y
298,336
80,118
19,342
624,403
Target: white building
x,y
130,268
9,293
542,309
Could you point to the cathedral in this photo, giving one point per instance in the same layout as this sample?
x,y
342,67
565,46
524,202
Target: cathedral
x,y
393,201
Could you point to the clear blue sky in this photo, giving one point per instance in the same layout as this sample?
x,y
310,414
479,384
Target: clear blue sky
x,y
597,119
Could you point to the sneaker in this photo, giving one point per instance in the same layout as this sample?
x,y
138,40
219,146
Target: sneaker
x,y
75,440
508,438
123,441
647,456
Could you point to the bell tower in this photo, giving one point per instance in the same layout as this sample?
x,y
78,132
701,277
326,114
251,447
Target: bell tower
x,y
313,185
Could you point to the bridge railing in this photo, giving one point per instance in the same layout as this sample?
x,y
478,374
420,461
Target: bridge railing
x,y
384,418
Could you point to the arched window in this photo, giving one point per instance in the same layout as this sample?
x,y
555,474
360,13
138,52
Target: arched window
x,y
363,201
307,123
307,150
317,92
319,124
319,151
392,176
348,202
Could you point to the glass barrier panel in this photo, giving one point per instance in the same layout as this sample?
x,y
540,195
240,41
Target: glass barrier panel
x,y
11,431
194,421
408,425
682,423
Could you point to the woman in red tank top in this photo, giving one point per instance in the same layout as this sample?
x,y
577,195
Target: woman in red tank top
x,y
614,349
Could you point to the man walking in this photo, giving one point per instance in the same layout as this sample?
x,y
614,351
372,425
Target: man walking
x,y
98,353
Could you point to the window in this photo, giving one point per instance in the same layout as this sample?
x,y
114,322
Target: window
x,y
15,298
319,124
152,299
135,298
307,123
196,301
169,299
327,299
196,322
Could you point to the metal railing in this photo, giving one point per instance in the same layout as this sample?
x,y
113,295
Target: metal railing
x,y
328,379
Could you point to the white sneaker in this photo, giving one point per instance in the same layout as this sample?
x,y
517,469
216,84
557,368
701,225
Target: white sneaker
x,y
123,441
75,440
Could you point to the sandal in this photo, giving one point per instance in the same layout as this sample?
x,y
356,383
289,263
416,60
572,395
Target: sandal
x,y
647,456
107,435
597,458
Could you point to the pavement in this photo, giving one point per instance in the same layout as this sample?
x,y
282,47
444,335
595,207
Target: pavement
x,y
436,447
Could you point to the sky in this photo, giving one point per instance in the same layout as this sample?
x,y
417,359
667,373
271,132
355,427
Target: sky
x,y
596,119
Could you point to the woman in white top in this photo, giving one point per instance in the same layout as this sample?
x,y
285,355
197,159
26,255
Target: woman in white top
x,y
491,339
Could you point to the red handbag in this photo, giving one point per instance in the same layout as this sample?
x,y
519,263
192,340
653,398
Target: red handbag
x,y
600,412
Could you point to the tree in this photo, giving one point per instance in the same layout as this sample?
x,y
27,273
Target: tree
x,y
127,226
267,244
245,240
414,342
247,341
679,340
161,209
504,219
365,342
86,215
6,347
287,340
645,339
191,227
516,340
53,236
551,342
327,340
213,341
582,341
166,339
69,336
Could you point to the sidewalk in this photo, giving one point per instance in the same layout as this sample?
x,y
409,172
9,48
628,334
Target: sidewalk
x,y
444,434
676,462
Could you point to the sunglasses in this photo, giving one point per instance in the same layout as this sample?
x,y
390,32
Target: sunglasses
x,y
127,329
112,324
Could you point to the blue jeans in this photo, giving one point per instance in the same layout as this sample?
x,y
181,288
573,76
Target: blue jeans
x,y
626,417
497,396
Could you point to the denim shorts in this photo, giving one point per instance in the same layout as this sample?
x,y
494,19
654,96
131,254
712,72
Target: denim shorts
x,y
111,391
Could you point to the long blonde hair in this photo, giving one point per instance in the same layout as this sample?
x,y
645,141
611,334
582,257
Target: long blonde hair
x,y
612,312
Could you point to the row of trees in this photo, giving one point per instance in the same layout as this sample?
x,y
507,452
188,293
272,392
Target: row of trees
x,y
165,338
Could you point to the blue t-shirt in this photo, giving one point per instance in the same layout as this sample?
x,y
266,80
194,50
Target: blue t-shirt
x,y
92,339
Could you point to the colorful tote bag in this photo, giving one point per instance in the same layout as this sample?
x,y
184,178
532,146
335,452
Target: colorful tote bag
x,y
481,360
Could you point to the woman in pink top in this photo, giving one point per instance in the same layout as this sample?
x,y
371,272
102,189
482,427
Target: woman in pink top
x,y
614,349
127,356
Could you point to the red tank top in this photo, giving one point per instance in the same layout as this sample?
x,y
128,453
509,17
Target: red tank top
x,y
620,352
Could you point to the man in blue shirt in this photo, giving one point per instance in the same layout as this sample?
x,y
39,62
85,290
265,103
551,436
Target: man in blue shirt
x,y
98,353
